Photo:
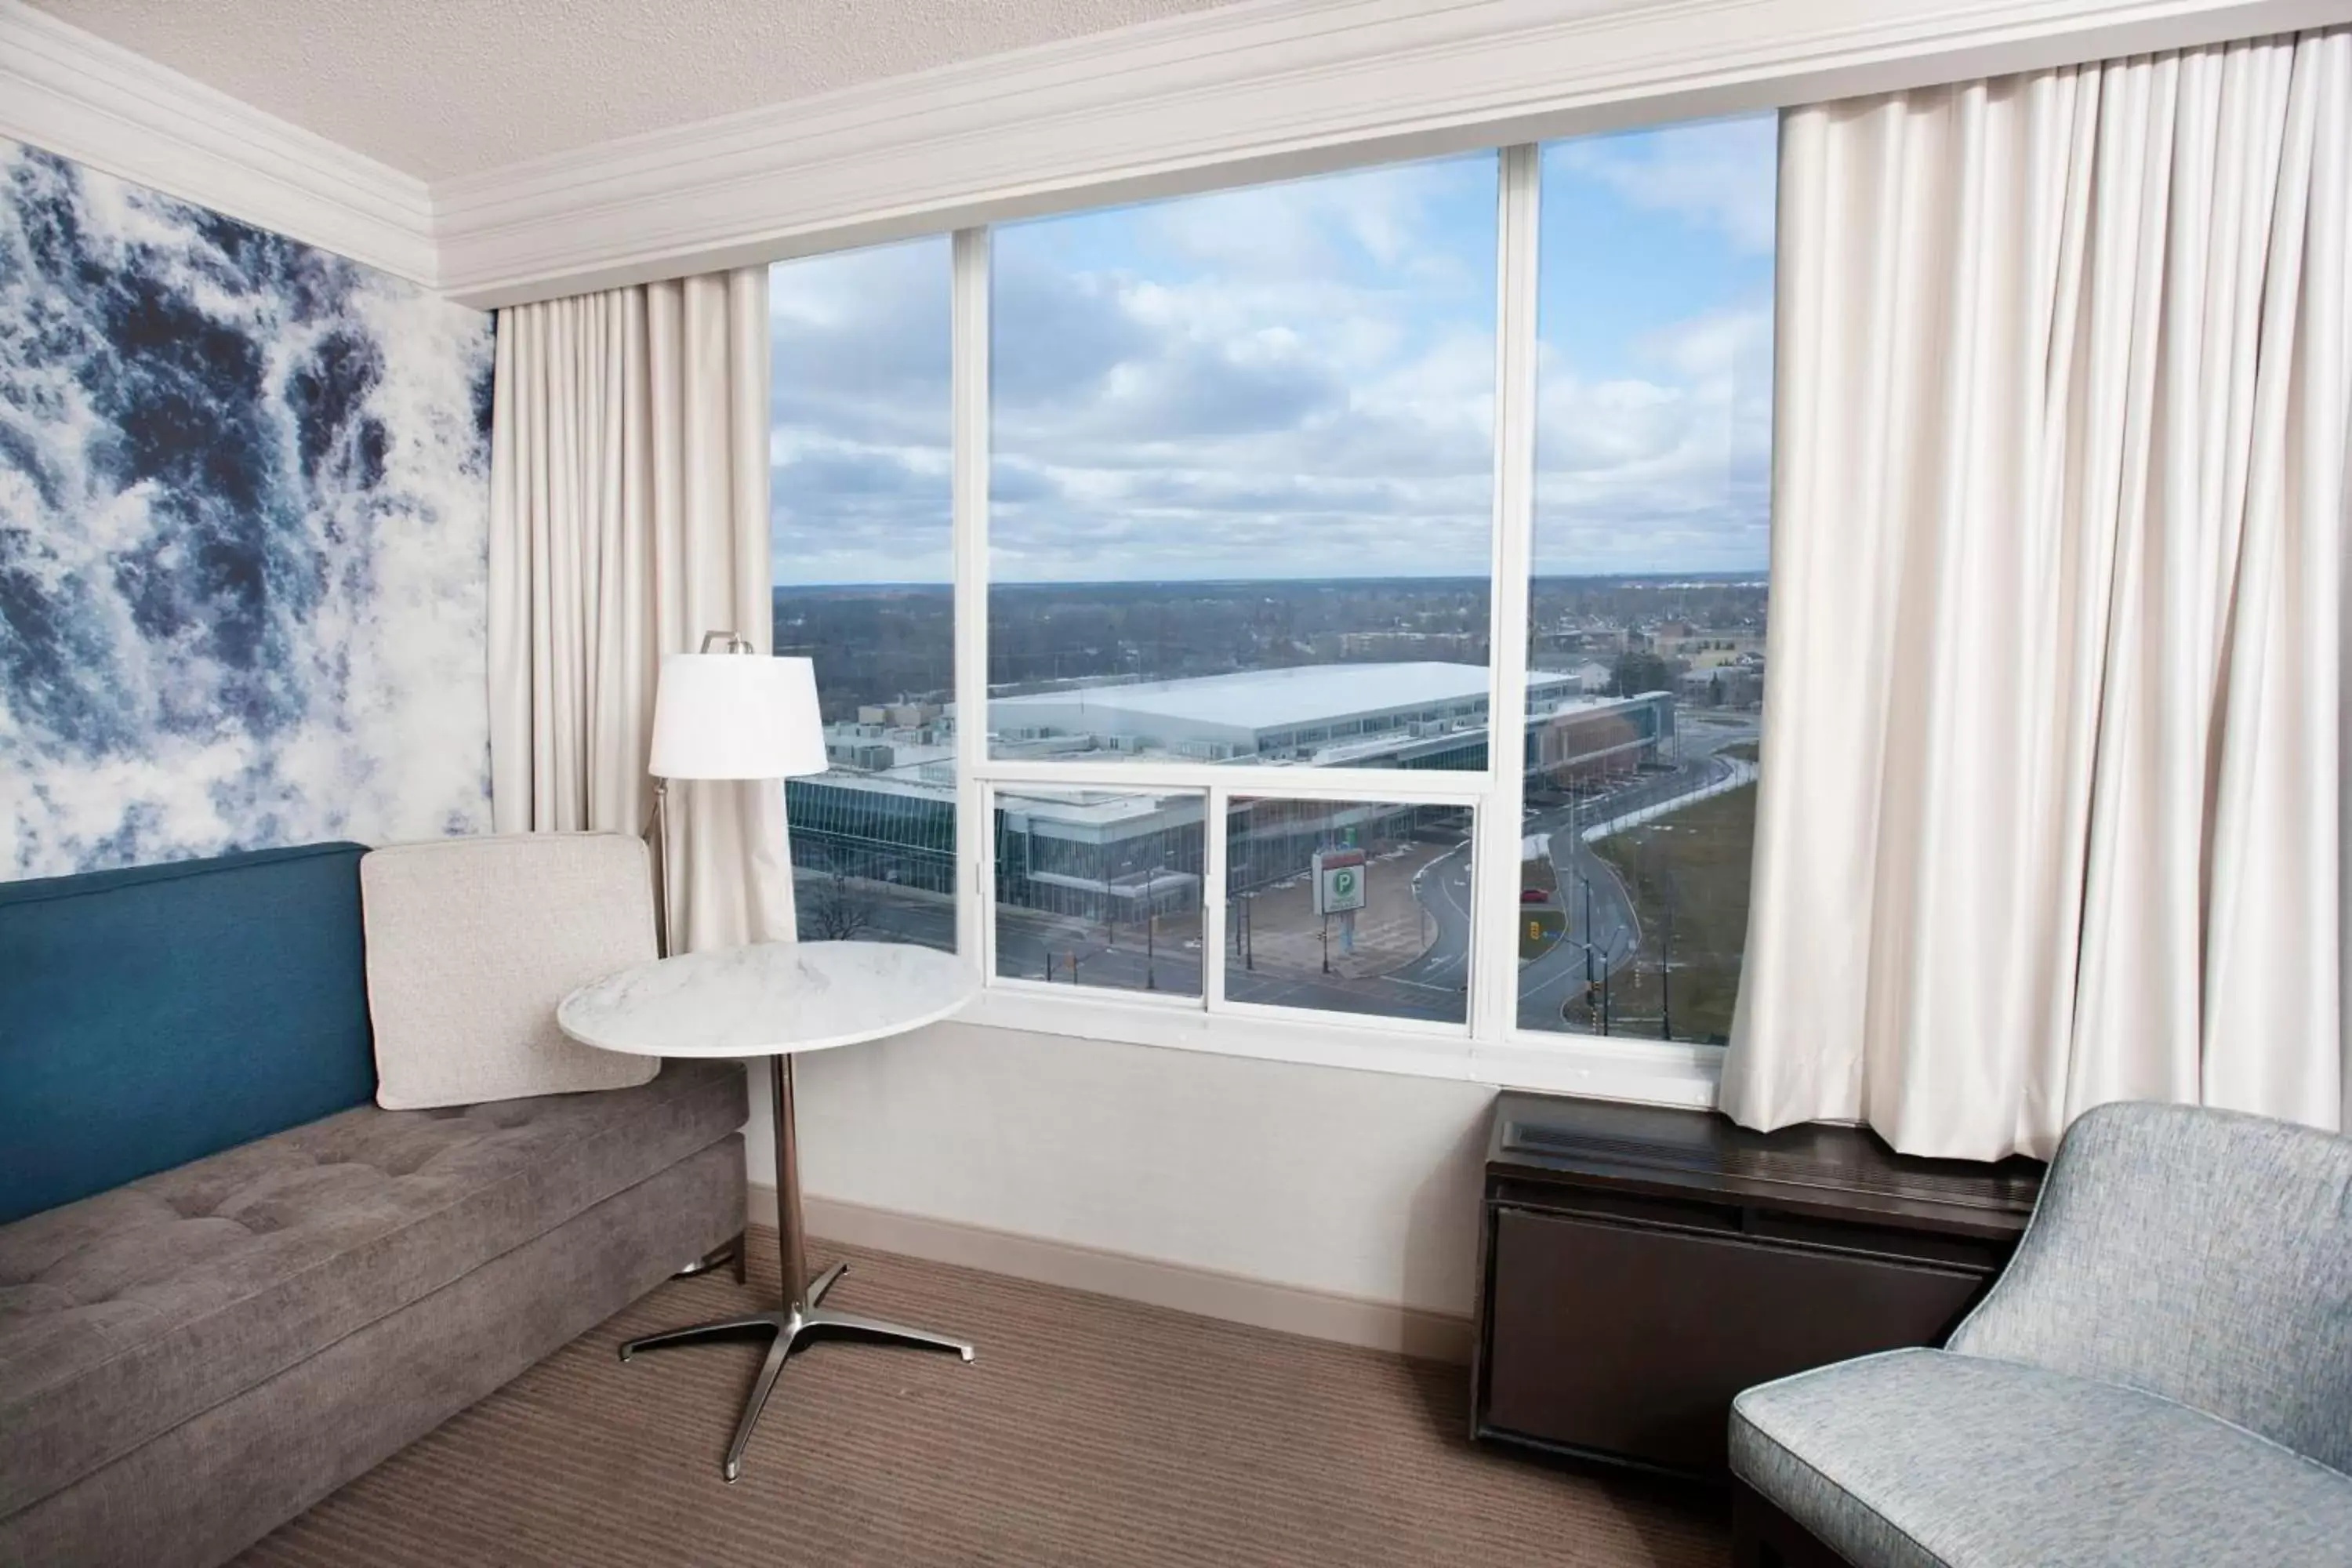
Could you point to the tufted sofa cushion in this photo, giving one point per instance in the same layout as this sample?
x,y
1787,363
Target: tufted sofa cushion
x,y
129,1312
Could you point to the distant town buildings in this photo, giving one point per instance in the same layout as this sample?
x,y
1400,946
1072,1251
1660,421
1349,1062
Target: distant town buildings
x,y
1728,685
1461,647
901,715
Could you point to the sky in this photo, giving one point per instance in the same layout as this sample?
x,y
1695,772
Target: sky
x,y
1298,380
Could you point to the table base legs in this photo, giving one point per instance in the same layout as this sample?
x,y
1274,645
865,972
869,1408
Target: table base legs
x,y
734,1252
798,1323
791,1329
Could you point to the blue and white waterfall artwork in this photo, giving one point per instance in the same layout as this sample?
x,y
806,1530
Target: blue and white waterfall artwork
x,y
244,520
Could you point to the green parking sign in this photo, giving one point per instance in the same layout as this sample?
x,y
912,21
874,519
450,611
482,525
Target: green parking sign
x,y
1338,881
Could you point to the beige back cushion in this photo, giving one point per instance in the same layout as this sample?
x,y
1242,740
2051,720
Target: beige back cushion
x,y
471,943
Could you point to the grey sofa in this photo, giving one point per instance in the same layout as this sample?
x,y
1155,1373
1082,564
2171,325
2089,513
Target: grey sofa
x,y
2161,1377
193,1355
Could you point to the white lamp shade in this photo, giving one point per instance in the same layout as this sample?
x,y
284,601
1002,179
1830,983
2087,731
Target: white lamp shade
x,y
736,716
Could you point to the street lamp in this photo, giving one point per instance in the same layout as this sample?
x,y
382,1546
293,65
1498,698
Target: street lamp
x,y
1608,958
1587,927
1608,962
1666,963
1151,925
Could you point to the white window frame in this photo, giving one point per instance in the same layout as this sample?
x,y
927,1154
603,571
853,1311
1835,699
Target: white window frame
x,y
1489,1046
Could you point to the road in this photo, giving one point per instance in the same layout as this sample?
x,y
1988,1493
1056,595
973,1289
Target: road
x,y
1443,887
1553,980
1603,931
1557,977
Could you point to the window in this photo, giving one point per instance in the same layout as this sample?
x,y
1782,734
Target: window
x,y
1099,887
1348,906
1197,506
858,445
1646,625
1242,473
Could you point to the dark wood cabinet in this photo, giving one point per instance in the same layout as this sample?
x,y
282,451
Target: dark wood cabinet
x,y
1640,1265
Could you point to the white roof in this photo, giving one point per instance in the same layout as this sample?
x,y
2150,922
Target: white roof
x,y
1274,699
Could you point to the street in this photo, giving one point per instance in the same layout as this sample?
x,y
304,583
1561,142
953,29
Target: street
x,y
1610,931
1554,980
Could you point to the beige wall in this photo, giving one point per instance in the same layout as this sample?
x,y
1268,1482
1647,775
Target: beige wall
x,y
1354,1184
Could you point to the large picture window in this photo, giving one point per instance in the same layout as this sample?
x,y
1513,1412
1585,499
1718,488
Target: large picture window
x,y
1646,599
1099,887
1159,547
1348,906
862,547
1242,475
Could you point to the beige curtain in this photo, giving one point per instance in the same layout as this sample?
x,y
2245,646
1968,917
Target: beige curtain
x,y
2051,799
628,516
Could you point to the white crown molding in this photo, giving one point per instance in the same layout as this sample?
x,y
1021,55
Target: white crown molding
x,y
1266,89
76,95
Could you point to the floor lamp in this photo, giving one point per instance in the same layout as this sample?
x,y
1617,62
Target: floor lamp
x,y
733,714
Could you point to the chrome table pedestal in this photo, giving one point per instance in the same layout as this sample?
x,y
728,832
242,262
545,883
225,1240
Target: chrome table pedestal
x,y
775,1000
800,1322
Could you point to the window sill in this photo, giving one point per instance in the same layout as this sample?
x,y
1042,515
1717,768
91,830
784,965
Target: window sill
x,y
1651,1072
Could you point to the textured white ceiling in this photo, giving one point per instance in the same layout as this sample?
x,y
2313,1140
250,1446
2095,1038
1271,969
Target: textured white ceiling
x,y
439,87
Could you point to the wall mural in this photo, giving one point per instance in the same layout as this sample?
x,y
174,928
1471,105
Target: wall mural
x,y
244,518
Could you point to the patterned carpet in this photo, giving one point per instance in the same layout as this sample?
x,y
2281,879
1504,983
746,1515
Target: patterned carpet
x,y
1089,1431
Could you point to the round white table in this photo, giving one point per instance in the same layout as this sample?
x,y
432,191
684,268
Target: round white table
x,y
774,1000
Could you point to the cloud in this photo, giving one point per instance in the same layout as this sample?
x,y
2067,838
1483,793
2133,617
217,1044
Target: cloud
x,y
1062,331
836,501
1175,389
1302,382
1292,381
1013,482
1306,228
859,424
1671,470
1717,175
859,344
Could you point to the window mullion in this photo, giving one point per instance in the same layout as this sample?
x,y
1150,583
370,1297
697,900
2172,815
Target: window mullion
x,y
1495,880
1214,883
968,397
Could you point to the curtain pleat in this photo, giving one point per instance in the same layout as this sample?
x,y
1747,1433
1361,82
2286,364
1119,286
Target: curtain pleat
x,y
629,516
2052,809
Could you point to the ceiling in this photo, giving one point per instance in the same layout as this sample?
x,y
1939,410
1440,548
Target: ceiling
x,y
443,88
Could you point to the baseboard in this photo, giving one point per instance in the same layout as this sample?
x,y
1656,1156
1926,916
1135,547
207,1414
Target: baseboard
x,y
1211,1293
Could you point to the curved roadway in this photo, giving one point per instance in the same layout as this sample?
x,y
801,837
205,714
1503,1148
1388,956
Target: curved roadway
x,y
1551,981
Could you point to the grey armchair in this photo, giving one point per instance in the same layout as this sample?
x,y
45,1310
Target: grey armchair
x,y
2162,1376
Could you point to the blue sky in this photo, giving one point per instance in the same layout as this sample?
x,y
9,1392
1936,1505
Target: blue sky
x,y
1296,380
1654,381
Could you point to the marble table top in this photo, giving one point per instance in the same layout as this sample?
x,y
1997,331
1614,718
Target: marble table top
x,y
769,999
